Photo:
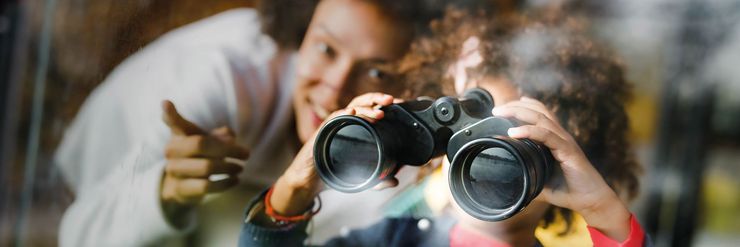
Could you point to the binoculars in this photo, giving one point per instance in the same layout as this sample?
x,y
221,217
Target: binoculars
x,y
491,176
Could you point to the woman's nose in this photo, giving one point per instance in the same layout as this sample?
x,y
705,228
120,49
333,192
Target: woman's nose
x,y
337,76
335,82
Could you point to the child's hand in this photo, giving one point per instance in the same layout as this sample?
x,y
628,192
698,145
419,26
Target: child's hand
x,y
584,190
300,183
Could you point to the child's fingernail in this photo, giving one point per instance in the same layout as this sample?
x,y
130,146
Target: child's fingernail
x,y
526,98
515,132
496,111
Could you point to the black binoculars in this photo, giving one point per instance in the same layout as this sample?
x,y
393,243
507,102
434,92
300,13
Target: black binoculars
x,y
492,176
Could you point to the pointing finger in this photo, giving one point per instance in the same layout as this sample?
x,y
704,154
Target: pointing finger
x,y
178,124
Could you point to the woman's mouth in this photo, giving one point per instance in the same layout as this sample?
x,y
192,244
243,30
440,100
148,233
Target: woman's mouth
x,y
316,120
318,114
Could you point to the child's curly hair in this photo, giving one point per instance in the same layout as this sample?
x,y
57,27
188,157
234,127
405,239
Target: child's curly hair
x,y
549,58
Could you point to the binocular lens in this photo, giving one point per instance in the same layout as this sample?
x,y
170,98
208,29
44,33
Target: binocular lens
x,y
353,154
348,155
495,178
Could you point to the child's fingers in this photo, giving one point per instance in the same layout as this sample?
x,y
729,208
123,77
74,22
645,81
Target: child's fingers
x,y
532,105
530,116
538,106
561,149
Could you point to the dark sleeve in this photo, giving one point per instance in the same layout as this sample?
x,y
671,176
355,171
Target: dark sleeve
x,y
388,232
253,234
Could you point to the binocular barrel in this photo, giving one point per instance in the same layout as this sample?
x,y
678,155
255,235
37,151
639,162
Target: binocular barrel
x,y
492,176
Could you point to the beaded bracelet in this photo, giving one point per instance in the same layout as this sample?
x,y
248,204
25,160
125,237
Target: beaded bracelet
x,y
285,220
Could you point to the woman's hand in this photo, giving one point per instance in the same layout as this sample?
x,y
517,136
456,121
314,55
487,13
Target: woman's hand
x,y
296,189
193,155
584,190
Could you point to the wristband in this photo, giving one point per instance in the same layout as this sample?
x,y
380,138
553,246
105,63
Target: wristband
x,y
282,220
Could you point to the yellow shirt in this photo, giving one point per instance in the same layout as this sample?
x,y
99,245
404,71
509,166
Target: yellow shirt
x,y
551,236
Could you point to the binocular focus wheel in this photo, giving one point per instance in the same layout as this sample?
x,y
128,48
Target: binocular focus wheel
x,y
480,95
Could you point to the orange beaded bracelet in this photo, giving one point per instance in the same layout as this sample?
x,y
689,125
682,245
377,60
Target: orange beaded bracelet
x,y
285,220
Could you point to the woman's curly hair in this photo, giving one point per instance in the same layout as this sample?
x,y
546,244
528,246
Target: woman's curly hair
x,y
286,21
549,58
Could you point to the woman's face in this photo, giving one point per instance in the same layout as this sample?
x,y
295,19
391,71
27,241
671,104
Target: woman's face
x,y
342,35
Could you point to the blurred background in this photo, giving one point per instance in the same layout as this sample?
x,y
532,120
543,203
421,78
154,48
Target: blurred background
x,y
682,57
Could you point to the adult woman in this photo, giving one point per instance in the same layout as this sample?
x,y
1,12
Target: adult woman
x,y
139,181
567,90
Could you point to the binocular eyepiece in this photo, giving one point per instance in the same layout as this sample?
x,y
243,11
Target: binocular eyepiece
x,y
492,176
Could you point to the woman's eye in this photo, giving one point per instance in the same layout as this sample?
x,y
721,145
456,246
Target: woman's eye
x,y
375,74
325,49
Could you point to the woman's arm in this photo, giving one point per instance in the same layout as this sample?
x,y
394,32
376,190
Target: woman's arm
x,y
118,197
404,231
296,189
294,192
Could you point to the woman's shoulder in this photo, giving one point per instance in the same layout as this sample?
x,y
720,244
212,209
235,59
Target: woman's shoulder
x,y
207,54
233,35
232,27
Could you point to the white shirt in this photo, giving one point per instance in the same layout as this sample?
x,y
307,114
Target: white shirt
x,y
220,71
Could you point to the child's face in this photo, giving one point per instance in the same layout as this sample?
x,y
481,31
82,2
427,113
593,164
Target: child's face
x,y
503,91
